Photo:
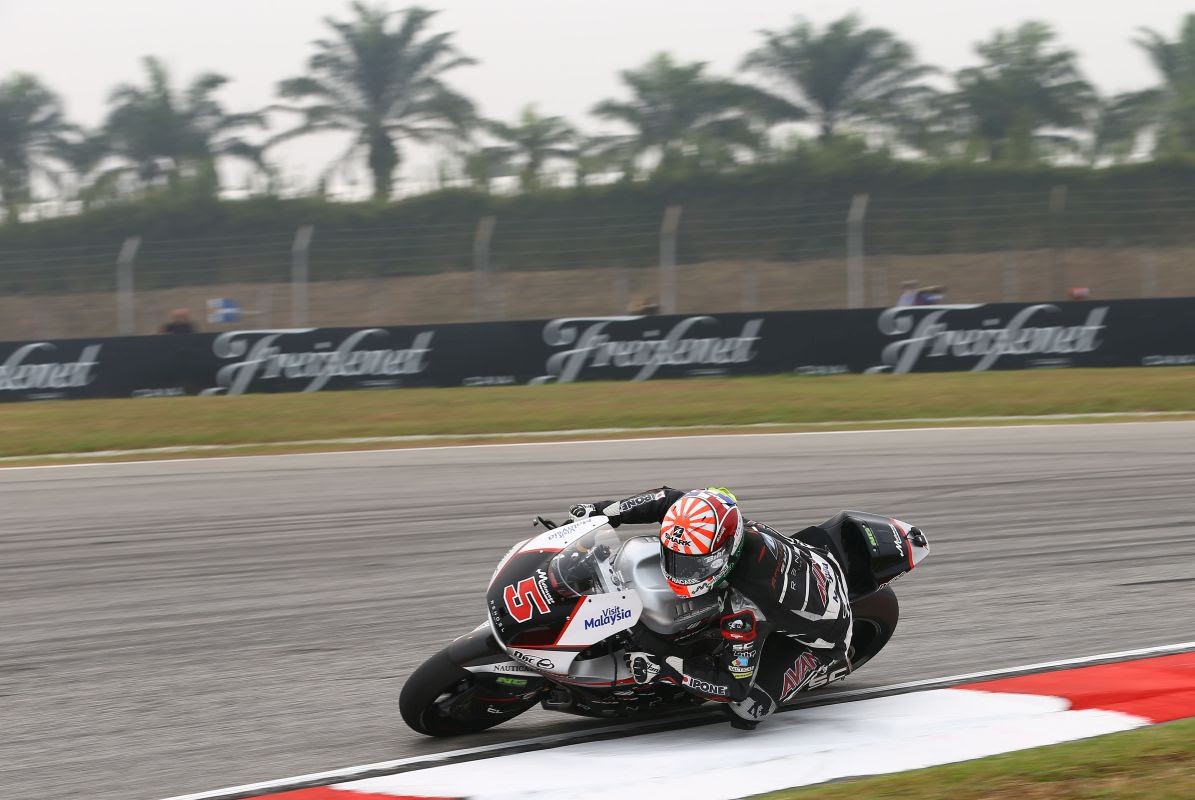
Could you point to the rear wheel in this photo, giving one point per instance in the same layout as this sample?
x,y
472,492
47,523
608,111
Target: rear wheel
x,y
441,699
875,616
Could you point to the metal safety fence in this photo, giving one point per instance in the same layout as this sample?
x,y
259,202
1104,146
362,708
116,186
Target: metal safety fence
x,y
851,251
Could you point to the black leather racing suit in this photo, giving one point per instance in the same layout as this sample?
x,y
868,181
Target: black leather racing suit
x,y
786,622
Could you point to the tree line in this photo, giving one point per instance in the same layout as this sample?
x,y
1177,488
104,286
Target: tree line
x,y
383,77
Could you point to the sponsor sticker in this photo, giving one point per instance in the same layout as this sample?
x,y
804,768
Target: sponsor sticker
x,y
796,676
536,661
505,681
705,687
740,666
632,503
677,536
609,616
545,587
871,537
513,668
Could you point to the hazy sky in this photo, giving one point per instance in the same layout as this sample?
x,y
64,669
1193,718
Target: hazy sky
x,y
563,55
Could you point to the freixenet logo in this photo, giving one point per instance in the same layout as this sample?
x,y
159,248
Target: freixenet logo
x,y
262,356
592,344
927,334
18,376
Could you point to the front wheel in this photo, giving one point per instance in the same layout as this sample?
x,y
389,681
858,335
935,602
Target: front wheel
x,y
443,699
875,616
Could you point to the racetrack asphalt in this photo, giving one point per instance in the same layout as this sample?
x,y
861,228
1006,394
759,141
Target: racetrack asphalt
x,y
179,626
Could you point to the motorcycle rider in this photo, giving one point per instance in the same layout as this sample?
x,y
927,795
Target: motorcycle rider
x,y
786,617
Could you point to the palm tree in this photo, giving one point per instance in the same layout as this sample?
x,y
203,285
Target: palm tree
x,y
161,134
684,118
1025,96
84,153
604,154
532,141
1114,124
927,122
1172,106
382,83
481,164
32,128
843,74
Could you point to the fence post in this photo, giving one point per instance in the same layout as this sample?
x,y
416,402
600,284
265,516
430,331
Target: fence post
x,y
854,251
1058,272
300,275
668,234
126,311
482,269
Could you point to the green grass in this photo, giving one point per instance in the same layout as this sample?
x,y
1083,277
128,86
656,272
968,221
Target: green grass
x,y
82,426
1157,763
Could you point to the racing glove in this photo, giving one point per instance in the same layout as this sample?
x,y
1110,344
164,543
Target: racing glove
x,y
583,510
644,667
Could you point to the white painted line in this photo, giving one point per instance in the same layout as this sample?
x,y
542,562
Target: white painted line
x,y
433,759
577,442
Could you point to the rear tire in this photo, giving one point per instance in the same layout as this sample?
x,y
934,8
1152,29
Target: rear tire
x,y
876,616
436,700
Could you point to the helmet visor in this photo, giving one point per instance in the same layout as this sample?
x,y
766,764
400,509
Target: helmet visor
x,y
688,570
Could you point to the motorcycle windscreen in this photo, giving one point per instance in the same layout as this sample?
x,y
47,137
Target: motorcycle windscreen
x,y
527,607
536,592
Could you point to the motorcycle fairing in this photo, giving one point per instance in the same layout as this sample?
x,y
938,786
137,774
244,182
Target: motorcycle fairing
x,y
539,623
664,612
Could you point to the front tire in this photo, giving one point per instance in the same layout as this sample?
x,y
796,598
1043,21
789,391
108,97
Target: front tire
x,y
440,699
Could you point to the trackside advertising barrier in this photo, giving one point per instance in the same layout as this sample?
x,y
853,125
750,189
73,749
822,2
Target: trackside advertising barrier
x,y
894,340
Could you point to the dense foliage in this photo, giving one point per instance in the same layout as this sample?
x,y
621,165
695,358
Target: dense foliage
x,y
764,167
383,78
792,211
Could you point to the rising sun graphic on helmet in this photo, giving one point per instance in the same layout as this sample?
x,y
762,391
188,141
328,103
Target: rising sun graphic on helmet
x,y
700,537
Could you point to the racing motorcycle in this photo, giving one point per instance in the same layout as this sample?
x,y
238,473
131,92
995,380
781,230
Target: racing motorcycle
x,y
561,605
